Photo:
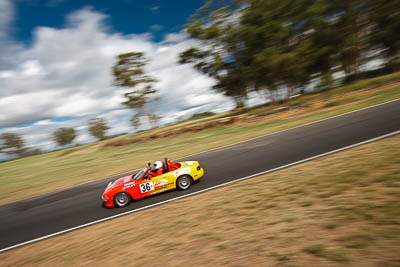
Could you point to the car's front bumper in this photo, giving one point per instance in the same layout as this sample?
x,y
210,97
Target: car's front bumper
x,y
109,203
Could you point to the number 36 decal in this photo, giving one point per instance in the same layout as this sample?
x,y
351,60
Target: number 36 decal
x,y
146,187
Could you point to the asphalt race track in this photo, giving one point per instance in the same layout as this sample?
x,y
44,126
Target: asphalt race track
x,y
43,215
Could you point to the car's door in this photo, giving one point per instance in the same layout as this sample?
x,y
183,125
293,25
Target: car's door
x,y
162,182
145,186
154,185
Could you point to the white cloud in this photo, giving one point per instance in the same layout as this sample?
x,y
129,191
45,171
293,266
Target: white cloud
x,y
67,73
7,74
154,9
6,17
31,68
174,38
8,47
44,122
156,27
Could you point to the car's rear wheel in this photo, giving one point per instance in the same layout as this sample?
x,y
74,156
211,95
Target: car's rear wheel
x,y
121,199
184,182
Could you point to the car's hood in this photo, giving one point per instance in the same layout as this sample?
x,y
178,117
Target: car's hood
x,y
118,182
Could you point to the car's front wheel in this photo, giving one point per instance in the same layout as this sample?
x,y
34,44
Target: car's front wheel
x,y
121,199
184,182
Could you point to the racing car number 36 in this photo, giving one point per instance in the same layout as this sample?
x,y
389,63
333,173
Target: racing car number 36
x,y
180,175
146,187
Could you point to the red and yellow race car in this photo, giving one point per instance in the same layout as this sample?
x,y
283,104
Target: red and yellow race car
x,y
142,184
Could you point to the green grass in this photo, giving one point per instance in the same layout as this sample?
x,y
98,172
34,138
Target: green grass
x,y
359,240
369,83
374,82
315,249
279,257
331,225
338,254
342,101
59,169
335,254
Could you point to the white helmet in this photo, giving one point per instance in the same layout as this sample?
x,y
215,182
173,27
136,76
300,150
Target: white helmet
x,y
157,165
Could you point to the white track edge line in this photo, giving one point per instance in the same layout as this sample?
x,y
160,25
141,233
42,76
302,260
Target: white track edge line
x,y
199,192
206,151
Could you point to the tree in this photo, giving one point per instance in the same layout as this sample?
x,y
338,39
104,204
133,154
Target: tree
x,y
277,49
222,56
252,45
64,136
153,119
201,115
98,128
129,72
13,144
32,152
385,28
326,82
135,121
269,44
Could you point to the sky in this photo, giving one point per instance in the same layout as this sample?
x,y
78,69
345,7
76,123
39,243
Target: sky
x,y
56,58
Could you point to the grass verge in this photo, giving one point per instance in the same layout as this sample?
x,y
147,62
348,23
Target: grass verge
x,y
47,172
258,222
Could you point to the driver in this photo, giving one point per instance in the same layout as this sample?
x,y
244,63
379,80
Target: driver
x,y
157,169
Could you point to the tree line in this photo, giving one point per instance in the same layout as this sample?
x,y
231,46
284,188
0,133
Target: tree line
x,y
253,45
265,45
14,144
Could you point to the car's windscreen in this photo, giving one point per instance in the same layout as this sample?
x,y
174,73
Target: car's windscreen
x,y
139,174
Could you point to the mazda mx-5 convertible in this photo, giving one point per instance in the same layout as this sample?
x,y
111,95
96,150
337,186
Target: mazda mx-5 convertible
x,y
147,181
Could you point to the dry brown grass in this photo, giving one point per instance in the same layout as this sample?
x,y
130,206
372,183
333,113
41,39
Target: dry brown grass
x,y
341,210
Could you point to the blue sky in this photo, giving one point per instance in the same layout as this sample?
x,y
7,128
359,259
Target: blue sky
x,y
126,16
56,57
